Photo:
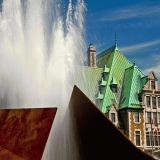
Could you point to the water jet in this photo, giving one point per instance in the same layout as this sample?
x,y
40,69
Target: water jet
x,y
41,45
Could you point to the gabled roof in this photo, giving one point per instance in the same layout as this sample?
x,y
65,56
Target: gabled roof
x,y
152,76
109,108
89,83
113,81
131,88
143,82
117,63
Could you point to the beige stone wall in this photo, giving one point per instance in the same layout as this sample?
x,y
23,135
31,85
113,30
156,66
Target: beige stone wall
x,y
137,126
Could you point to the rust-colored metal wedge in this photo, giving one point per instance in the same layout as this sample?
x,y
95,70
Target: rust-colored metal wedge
x,y
24,132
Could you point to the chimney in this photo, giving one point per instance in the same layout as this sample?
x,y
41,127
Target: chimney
x,y
91,52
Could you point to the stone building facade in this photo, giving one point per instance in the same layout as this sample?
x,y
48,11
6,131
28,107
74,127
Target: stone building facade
x,y
129,98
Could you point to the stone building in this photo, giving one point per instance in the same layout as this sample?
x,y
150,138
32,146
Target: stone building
x,y
129,98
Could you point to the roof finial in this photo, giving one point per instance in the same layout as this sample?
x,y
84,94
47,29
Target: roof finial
x,y
115,39
134,62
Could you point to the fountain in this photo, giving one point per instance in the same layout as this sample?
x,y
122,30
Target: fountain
x,y
41,45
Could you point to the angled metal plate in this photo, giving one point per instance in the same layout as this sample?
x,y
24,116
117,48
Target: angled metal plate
x,y
96,135
24,132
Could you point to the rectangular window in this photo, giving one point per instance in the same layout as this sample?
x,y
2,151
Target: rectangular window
x,y
148,100
158,138
101,88
148,139
154,102
155,139
148,117
154,117
152,85
137,136
158,101
136,116
113,119
114,88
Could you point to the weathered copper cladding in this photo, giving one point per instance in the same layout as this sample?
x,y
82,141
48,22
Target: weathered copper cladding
x,y
97,136
24,132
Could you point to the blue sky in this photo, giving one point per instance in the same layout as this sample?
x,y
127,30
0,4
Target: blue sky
x,y
137,26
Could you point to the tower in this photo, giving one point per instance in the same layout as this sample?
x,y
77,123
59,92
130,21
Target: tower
x,y
91,52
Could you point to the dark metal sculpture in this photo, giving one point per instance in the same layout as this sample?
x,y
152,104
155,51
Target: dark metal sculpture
x,y
97,137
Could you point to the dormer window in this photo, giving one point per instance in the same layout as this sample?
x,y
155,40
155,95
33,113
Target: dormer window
x,y
152,85
101,88
113,85
105,72
102,85
113,117
114,88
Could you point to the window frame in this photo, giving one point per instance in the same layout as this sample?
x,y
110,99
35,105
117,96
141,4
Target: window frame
x,y
158,99
158,117
148,100
148,139
155,139
113,118
153,86
137,137
148,117
154,104
154,117
114,88
136,117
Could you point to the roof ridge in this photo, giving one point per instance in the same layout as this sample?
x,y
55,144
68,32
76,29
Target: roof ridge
x,y
110,74
107,50
131,85
92,67
137,68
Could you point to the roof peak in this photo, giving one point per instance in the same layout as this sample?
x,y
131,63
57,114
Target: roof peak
x,y
116,40
113,81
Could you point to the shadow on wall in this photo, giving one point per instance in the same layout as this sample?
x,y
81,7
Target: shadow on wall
x,y
97,137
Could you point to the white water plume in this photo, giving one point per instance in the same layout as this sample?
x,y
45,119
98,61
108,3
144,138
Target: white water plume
x,y
41,44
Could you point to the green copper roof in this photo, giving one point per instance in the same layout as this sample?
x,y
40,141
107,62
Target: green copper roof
x,y
105,69
113,81
89,83
103,83
113,68
142,83
130,88
113,59
100,96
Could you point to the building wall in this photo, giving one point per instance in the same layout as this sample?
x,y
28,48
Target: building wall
x,y
136,126
124,116
151,109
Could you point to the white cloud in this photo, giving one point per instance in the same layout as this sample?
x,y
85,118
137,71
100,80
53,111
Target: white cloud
x,y
156,57
138,46
138,10
156,70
